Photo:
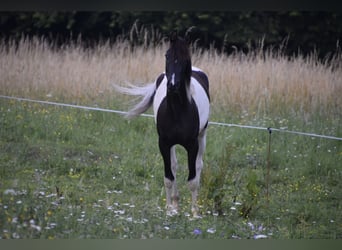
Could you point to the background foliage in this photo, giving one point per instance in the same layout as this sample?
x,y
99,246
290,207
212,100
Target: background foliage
x,y
228,31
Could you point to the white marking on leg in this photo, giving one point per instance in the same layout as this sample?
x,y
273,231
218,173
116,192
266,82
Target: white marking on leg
x,y
168,190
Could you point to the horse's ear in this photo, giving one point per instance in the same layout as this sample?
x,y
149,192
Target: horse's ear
x,y
173,36
188,34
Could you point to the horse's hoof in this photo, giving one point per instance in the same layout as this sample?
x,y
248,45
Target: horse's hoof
x,y
172,212
196,216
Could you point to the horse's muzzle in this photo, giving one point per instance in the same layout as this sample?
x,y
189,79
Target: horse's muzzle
x,y
172,88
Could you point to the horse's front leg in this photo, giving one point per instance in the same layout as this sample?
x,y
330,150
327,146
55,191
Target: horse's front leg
x,y
174,192
169,179
196,160
194,176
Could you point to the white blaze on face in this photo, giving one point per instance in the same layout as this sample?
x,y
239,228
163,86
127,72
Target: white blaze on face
x,y
173,79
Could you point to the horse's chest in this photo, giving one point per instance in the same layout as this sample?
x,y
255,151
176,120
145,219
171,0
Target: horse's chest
x,y
177,126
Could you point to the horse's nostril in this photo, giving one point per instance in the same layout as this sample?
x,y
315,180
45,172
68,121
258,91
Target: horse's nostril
x,y
173,90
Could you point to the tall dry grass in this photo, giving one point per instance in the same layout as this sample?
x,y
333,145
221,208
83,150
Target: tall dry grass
x,y
34,68
262,83
255,83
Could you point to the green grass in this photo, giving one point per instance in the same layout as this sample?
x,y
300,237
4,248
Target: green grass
x,y
69,173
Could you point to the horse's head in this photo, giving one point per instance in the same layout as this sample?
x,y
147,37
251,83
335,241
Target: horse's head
x,y
178,64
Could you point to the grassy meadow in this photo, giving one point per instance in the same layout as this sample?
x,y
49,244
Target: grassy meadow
x,y
72,173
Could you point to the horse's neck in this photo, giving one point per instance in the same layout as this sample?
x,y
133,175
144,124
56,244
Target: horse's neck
x,y
177,103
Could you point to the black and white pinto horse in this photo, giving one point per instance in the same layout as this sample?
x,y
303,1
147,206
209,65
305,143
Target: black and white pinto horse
x,y
181,105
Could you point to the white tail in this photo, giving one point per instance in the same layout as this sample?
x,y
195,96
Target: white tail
x,y
147,92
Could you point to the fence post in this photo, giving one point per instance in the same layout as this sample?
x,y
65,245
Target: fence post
x,y
268,164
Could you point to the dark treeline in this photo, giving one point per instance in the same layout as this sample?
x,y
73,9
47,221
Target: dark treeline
x,y
293,31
